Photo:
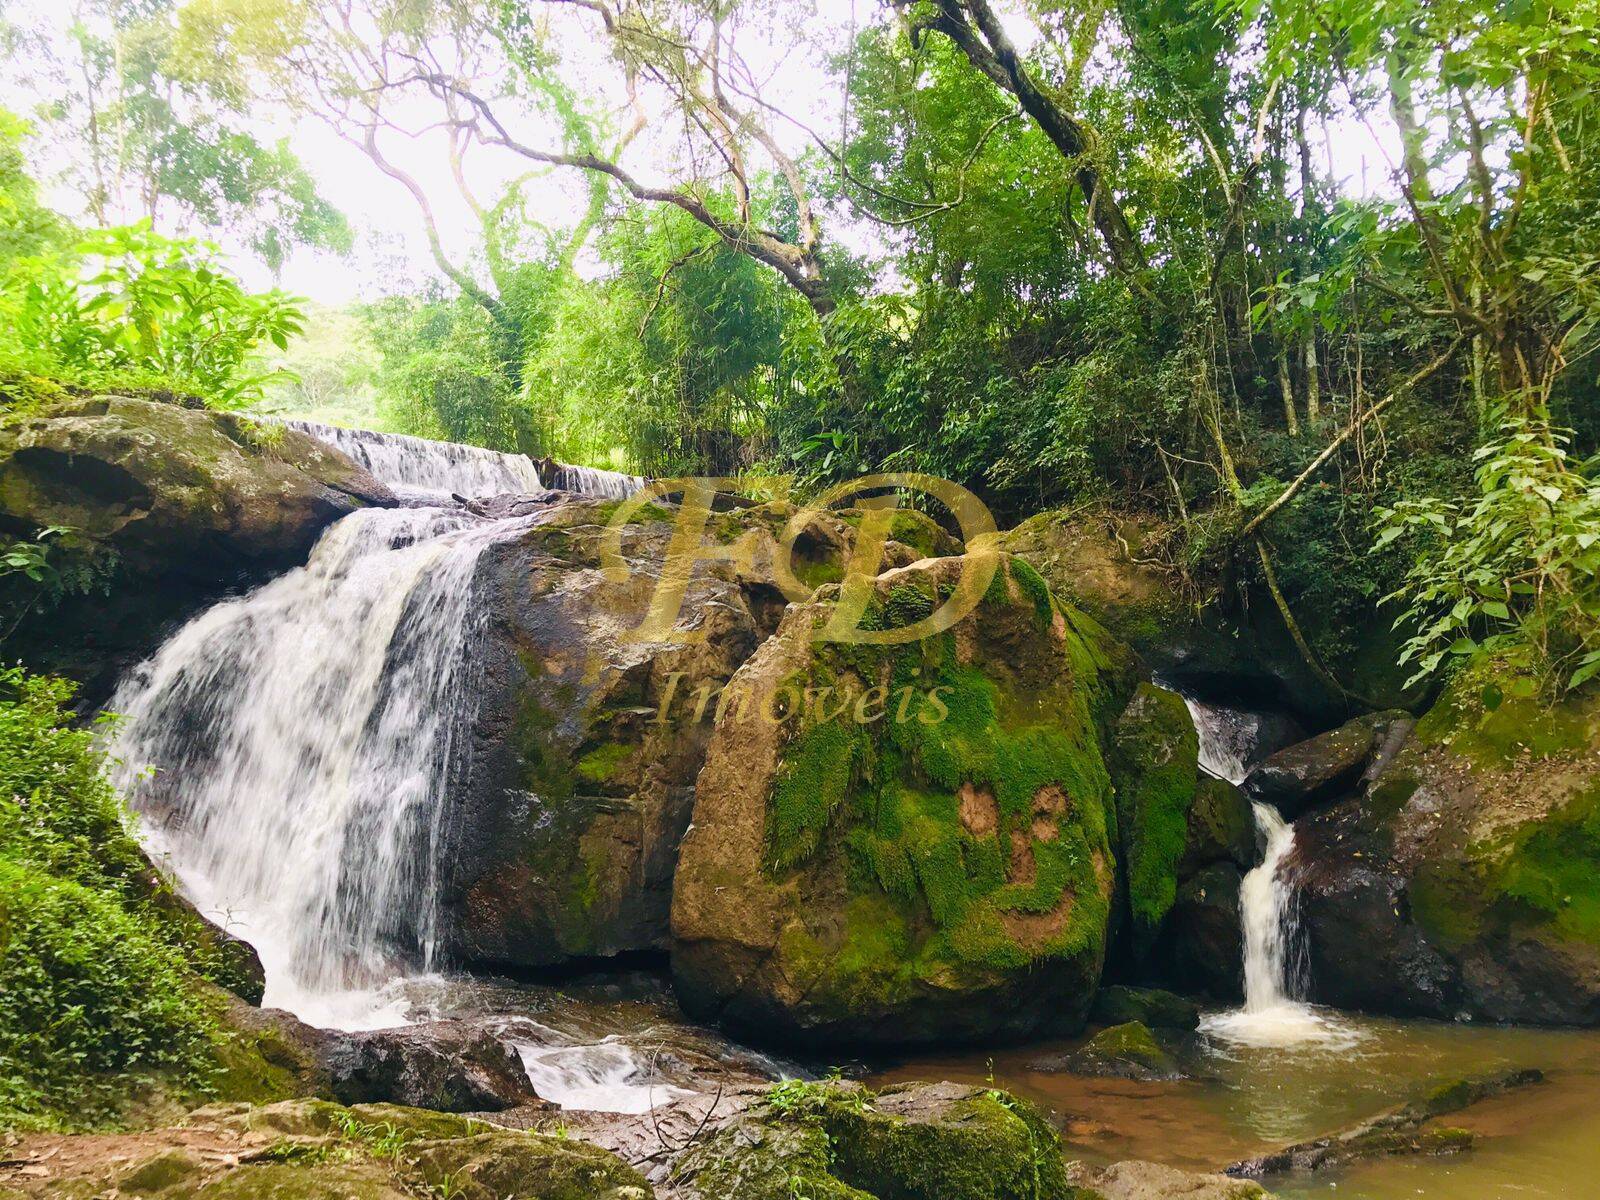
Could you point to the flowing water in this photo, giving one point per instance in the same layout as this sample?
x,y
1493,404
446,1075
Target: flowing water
x,y
592,481
1274,1015
423,469
291,750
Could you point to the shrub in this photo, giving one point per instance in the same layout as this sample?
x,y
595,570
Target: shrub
x,y
98,982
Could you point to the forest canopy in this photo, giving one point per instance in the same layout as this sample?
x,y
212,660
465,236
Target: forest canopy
x,y
1315,284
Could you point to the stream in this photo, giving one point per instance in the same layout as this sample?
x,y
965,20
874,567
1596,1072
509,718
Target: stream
x,y
350,680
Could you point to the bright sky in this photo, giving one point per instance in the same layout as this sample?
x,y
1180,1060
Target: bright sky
x,y
391,254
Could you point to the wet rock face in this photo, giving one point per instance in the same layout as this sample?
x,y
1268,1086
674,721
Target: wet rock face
x,y
579,791
446,1066
1325,768
175,505
1466,881
1201,948
940,868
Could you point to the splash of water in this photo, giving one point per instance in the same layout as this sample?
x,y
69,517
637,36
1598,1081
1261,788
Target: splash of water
x,y
604,1076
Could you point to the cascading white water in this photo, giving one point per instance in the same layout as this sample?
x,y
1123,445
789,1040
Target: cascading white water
x,y
290,750
1272,1016
592,481
604,1076
416,465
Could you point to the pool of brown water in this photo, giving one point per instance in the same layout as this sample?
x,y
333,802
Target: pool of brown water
x,y
1536,1143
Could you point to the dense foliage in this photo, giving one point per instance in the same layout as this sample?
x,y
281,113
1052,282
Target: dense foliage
x,y
1065,254
98,983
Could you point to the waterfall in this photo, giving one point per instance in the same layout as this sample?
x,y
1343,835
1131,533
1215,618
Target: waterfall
x,y
428,468
290,751
1231,741
592,481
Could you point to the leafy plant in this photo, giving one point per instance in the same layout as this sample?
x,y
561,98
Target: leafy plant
x,y
128,301
1515,570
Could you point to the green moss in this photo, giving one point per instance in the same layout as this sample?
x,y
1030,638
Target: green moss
x,y
1034,588
1155,761
646,514
817,773
843,1142
1019,879
602,764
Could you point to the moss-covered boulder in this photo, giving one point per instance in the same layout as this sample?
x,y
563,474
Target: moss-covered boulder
x,y
1120,1004
1467,879
589,734
913,841
839,1141
1154,762
169,506
1127,1051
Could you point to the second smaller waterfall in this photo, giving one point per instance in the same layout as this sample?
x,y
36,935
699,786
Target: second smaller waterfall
x,y
1272,1015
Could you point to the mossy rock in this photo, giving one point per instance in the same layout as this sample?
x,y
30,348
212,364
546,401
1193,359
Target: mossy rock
x,y
1155,762
909,841
493,1165
912,1142
1222,829
1467,879
1119,1004
590,735
1127,1051
143,483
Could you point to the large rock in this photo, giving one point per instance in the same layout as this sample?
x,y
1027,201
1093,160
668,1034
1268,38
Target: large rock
x,y
1120,1004
1195,630
1154,763
449,1066
920,849
1126,1051
170,507
1466,881
941,1141
589,737
1200,946
1327,767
